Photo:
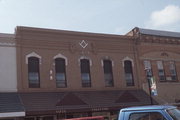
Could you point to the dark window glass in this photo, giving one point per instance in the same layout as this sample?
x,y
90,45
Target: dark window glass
x,y
60,75
172,69
161,75
85,73
29,118
33,72
161,71
48,118
108,74
146,116
128,73
174,113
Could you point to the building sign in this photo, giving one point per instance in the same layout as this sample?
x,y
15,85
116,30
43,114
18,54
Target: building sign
x,y
99,109
61,111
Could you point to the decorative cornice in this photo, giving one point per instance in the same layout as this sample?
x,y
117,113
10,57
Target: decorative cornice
x,y
7,44
163,59
158,39
55,32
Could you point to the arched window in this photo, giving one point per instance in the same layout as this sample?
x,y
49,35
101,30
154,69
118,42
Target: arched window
x,y
33,72
60,75
85,72
108,74
62,56
33,54
128,73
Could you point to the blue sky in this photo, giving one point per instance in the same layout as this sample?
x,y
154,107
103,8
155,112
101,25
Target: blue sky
x,y
97,16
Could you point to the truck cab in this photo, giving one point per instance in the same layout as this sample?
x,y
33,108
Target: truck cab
x,y
156,112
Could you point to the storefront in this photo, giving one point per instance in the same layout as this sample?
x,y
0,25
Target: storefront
x,y
61,105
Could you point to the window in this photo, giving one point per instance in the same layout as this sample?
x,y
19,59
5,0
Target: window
x,y
47,118
172,70
161,71
146,116
174,113
148,69
33,72
85,73
108,74
128,73
167,71
60,74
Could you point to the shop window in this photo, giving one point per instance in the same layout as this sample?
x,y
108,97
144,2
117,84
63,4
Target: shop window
x,y
108,74
85,73
48,118
128,73
29,118
172,69
60,75
33,72
161,71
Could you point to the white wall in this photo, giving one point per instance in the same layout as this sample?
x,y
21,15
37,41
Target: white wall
x,y
8,71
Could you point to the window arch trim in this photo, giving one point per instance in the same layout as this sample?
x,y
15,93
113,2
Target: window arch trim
x,y
85,57
61,56
107,58
33,54
128,59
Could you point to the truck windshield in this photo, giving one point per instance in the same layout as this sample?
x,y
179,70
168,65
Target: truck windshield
x,y
174,113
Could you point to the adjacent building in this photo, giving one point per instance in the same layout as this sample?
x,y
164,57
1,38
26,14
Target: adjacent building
x,y
60,74
10,103
158,54
8,71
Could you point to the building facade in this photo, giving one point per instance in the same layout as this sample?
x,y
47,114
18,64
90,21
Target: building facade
x,y
158,51
102,54
65,74
69,66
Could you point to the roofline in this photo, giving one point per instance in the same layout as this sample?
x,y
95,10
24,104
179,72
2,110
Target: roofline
x,y
6,35
153,32
68,32
161,33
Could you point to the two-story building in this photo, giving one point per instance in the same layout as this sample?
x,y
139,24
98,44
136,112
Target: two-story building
x,y
58,74
74,74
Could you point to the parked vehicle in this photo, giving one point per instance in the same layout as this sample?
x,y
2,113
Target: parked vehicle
x,y
160,112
